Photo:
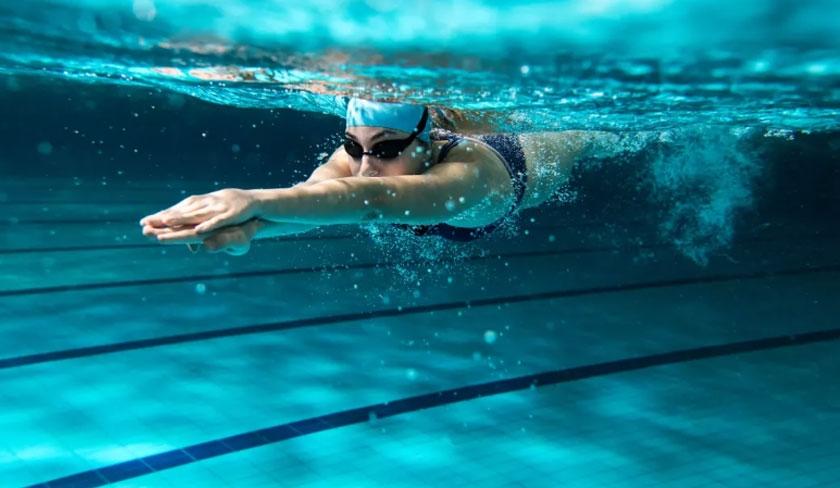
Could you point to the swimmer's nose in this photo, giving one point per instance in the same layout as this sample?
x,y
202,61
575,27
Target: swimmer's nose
x,y
367,169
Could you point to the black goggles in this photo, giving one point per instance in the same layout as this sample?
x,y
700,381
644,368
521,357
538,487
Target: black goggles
x,y
389,149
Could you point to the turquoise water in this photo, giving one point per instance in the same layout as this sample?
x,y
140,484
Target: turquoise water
x,y
667,319
641,64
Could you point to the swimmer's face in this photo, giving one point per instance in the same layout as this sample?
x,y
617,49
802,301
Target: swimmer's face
x,y
411,161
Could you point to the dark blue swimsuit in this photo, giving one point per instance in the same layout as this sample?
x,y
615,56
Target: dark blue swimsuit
x,y
509,149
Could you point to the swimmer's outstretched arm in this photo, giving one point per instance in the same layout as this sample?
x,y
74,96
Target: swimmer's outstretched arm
x,y
259,228
164,224
439,195
331,169
443,194
332,195
469,193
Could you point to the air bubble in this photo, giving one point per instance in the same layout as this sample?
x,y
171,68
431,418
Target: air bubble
x,y
490,336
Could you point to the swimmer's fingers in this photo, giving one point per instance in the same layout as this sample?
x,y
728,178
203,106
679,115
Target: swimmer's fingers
x,y
188,204
150,231
156,219
232,240
179,216
221,220
194,217
181,236
215,244
153,220
153,232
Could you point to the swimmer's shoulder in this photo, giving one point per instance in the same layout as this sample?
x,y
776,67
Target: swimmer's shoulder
x,y
470,150
336,166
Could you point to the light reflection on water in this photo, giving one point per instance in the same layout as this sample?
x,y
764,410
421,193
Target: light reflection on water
x,y
632,64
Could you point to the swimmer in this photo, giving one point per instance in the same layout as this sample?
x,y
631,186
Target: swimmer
x,y
391,169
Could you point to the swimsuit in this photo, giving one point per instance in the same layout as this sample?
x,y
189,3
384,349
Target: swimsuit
x,y
509,150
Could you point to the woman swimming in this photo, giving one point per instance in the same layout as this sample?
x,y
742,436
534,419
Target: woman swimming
x,y
392,168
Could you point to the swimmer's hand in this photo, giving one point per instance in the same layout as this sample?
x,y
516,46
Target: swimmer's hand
x,y
204,213
234,239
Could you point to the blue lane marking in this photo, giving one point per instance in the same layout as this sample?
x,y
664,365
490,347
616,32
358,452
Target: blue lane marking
x,y
104,221
314,269
177,279
112,247
277,272
45,357
271,435
118,247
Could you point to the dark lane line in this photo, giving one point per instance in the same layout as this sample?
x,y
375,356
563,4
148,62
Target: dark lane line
x,y
153,245
60,355
314,239
138,467
301,237
286,271
65,203
136,220
102,220
358,266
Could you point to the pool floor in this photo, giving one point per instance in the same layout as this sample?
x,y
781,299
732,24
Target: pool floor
x,y
125,361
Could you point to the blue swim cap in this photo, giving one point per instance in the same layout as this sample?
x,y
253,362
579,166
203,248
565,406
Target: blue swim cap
x,y
396,116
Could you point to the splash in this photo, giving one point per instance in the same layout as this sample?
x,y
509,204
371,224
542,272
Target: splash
x,y
414,257
696,70
705,180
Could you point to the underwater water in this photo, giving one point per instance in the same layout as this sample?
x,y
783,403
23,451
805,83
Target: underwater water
x,y
667,318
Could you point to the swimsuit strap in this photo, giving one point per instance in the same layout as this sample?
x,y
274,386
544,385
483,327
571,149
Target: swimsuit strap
x,y
509,151
452,141
505,146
